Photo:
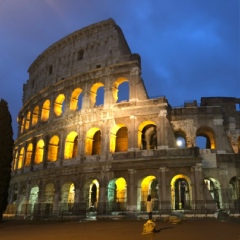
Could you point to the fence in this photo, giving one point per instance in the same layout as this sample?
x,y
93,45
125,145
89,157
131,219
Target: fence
x,y
46,211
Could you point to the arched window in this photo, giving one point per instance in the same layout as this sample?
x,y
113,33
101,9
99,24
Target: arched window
x,y
71,145
53,148
35,115
59,104
29,154
27,123
45,110
75,102
121,90
20,158
39,152
93,142
207,138
97,95
122,140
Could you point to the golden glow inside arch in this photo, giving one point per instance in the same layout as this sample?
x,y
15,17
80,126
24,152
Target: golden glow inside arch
x,y
53,148
93,92
68,193
35,115
174,179
121,193
58,104
45,110
27,123
113,135
71,145
29,154
22,124
74,99
15,160
71,194
39,152
140,129
115,86
89,140
20,159
146,187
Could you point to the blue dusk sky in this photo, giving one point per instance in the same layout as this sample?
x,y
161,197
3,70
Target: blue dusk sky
x,y
189,48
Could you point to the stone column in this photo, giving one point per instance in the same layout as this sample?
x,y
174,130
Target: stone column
x,y
62,138
57,197
132,134
45,155
162,191
131,193
103,192
34,142
196,192
161,131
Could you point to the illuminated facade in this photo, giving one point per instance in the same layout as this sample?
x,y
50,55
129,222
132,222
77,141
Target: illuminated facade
x,y
90,138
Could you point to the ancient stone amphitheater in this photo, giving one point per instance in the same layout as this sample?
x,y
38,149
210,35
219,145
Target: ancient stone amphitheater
x,y
91,141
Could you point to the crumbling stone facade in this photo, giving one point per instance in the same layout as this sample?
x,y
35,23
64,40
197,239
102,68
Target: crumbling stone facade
x,y
82,149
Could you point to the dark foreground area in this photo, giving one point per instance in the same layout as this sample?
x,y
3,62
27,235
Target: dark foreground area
x,y
190,229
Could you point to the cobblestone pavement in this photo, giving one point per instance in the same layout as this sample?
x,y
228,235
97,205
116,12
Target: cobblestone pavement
x,y
190,229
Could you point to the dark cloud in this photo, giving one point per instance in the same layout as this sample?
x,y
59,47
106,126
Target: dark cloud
x,y
189,49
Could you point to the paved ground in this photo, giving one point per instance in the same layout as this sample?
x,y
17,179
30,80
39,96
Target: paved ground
x,y
190,229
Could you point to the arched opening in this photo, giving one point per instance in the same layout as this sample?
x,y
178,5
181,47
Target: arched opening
x,y
93,142
149,137
181,192
53,147
234,186
71,145
29,154
28,118
20,159
207,138
147,186
59,105
35,116
33,199
15,160
97,94
22,207
39,152
67,197
45,111
76,99
48,200
122,140
93,195
180,137
22,124
214,188
117,194
121,90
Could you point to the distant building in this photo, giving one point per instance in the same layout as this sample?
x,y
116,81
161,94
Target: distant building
x,y
81,147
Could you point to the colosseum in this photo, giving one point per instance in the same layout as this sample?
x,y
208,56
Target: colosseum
x,y
92,143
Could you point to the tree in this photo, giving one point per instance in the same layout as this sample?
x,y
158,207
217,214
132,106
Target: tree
x,y
6,148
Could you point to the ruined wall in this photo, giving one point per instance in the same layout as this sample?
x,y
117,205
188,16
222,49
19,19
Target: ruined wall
x,y
72,150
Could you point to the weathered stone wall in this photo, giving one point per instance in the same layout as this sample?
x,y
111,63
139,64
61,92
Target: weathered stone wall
x,y
60,143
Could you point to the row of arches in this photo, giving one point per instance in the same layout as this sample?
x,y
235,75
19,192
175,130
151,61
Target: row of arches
x,y
117,197
74,102
45,149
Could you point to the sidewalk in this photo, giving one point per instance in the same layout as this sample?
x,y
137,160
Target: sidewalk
x,y
190,229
